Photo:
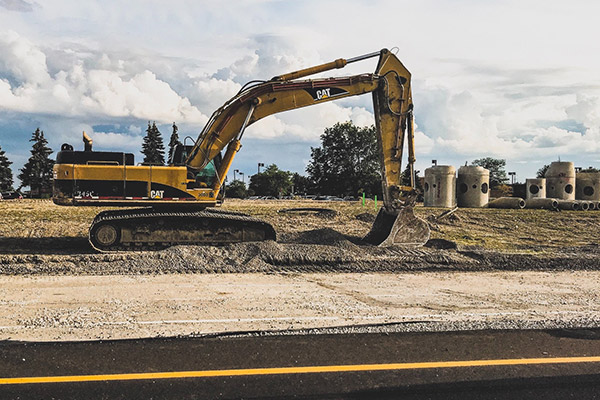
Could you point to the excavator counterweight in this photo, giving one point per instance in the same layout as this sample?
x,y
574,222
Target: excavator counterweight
x,y
179,197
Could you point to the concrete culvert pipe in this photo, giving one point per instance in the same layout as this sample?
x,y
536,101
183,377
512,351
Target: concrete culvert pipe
x,y
472,186
547,204
571,205
583,205
440,186
507,202
536,188
560,180
587,186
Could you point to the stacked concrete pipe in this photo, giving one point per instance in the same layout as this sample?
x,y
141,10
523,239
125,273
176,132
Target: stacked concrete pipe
x,y
570,205
587,188
536,188
560,180
440,186
472,186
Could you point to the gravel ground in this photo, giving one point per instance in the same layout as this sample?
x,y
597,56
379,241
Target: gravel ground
x,y
334,253
321,250
129,306
42,238
484,269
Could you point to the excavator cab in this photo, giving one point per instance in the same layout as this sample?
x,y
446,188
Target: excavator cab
x,y
206,176
180,153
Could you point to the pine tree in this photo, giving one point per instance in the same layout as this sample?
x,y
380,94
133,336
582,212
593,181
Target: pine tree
x,y
153,148
37,172
6,177
173,142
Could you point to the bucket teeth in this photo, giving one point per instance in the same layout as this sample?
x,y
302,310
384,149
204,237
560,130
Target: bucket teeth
x,y
402,229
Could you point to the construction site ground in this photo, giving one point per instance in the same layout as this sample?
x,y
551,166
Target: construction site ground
x,y
483,268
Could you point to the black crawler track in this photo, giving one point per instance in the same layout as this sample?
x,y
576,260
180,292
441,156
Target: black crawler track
x,y
150,229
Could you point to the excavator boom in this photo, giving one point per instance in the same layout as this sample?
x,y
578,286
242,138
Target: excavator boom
x,y
392,97
197,173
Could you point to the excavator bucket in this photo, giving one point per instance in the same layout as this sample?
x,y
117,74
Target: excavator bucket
x,y
402,229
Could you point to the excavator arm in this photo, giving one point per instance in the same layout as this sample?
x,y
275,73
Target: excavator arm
x,y
392,98
177,198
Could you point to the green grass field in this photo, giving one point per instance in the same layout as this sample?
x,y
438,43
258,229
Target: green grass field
x,y
494,229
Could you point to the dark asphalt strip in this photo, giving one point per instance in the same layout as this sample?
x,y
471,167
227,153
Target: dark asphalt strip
x,y
425,360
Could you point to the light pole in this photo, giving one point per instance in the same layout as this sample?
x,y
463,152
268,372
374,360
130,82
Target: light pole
x,y
512,177
260,165
234,171
242,174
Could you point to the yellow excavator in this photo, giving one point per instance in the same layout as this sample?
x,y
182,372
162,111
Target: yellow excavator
x,y
177,201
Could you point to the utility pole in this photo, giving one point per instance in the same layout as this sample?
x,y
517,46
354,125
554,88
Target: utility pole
x,y
260,165
512,177
242,174
234,171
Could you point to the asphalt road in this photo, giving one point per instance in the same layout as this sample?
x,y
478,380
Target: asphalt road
x,y
436,365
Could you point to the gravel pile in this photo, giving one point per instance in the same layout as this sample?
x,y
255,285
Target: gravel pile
x,y
320,250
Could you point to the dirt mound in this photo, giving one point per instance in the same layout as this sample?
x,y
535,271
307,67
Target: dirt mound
x,y
441,244
318,211
335,253
324,236
366,217
316,250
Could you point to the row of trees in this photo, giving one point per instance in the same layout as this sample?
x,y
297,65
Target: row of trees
x,y
346,163
37,171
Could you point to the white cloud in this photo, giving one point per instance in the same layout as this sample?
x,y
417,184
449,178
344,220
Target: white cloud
x,y
268,128
27,86
125,142
21,60
18,5
479,88
586,110
135,129
423,143
211,93
307,124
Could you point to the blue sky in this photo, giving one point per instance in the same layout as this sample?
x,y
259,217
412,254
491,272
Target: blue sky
x,y
510,79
